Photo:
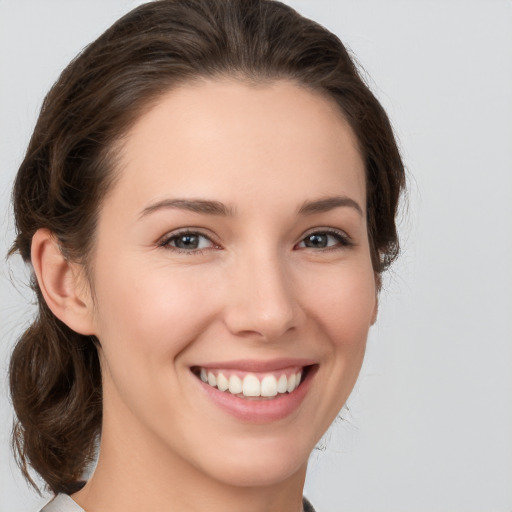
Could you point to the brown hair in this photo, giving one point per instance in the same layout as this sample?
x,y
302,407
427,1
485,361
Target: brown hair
x,y
55,376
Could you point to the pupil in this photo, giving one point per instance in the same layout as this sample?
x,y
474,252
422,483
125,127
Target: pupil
x,y
187,242
316,241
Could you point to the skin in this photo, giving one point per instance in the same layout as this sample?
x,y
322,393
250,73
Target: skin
x,y
253,290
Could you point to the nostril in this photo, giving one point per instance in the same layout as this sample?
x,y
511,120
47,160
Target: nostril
x,y
262,305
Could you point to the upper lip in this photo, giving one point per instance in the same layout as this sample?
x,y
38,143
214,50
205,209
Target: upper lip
x,y
255,365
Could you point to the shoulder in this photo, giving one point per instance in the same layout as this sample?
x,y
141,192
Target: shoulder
x,y
62,503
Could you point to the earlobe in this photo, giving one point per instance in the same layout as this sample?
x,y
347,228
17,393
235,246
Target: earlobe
x,y
61,283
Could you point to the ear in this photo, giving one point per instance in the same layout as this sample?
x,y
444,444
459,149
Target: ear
x,y
62,283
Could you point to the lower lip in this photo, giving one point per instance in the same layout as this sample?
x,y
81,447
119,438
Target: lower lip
x,y
260,411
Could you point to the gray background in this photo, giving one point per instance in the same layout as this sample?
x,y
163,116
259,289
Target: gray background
x,y
430,421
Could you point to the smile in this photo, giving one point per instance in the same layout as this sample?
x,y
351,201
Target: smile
x,y
251,384
257,391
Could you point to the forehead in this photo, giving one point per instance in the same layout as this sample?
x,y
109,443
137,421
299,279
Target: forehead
x,y
233,139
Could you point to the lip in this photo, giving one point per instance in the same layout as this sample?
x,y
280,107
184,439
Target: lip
x,y
260,410
258,366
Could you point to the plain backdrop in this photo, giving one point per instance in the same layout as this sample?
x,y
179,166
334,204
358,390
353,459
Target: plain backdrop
x,y
429,425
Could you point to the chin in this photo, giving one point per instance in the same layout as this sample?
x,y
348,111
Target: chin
x,y
259,464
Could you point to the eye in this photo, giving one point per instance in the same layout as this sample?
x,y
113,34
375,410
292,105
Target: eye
x,y
187,241
325,240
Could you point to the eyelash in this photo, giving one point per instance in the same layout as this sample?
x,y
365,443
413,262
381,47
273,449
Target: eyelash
x,y
342,238
167,240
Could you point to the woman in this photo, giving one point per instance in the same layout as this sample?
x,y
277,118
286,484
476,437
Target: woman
x,y
208,202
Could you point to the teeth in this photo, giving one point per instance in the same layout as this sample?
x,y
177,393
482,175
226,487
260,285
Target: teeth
x,y
291,383
235,385
269,386
251,386
282,384
222,382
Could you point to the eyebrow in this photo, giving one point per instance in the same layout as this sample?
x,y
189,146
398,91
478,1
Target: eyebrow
x,y
329,203
194,205
210,207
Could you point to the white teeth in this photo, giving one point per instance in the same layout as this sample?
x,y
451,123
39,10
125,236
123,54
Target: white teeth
x,y
250,385
282,384
291,383
235,385
222,382
269,386
212,380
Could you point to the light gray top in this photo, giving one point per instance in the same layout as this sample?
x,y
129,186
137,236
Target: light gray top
x,y
63,503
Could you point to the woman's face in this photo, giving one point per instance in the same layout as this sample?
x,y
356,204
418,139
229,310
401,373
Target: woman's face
x,y
232,249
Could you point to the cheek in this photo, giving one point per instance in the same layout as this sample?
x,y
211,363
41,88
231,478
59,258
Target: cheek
x,y
341,304
344,302
154,313
145,323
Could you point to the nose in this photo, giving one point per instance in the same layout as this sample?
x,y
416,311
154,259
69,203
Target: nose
x,y
260,298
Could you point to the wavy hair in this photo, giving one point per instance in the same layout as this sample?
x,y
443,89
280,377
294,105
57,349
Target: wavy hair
x,y
55,377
